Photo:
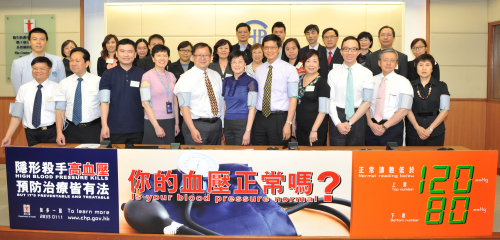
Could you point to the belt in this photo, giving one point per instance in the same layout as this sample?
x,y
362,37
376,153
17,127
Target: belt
x,y
84,125
381,122
276,112
208,120
44,128
427,114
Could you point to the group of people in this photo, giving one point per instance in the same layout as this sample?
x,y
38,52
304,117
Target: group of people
x,y
260,94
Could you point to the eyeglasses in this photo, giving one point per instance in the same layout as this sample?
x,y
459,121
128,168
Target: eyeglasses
x,y
185,51
270,48
202,56
389,60
350,49
330,37
418,48
41,69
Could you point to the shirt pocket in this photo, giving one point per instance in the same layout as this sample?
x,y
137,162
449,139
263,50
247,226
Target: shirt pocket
x,y
50,104
393,100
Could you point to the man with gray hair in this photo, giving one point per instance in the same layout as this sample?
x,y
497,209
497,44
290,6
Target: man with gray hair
x,y
391,101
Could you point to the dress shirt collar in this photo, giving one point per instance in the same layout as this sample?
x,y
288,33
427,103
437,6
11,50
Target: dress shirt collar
x,y
315,47
85,76
198,71
274,64
328,51
44,84
353,68
388,77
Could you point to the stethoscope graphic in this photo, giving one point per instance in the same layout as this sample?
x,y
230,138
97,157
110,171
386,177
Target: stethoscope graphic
x,y
152,217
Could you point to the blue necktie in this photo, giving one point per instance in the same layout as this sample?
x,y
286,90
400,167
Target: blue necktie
x,y
349,96
77,105
37,108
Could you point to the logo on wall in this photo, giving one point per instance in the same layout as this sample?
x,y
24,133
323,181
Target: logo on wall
x,y
26,209
28,25
259,30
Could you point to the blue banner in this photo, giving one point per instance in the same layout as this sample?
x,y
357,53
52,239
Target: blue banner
x,y
63,189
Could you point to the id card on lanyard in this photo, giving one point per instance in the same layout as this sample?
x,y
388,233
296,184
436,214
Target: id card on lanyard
x,y
167,88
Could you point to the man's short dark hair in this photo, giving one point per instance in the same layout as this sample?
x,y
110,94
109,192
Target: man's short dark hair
x,y
125,41
86,54
236,54
366,35
330,29
350,38
160,48
311,27
38,30
425,57
42,60
184,44
272,37
201,45
153,37
393,32
243,25
278,25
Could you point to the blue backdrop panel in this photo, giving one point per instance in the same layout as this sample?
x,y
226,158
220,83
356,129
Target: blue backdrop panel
x,y
63,189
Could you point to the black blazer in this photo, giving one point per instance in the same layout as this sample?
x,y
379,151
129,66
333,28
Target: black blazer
x,y
372,64
324,67
177,69
248,51
321,50
413,75
216,67
147,64
101,66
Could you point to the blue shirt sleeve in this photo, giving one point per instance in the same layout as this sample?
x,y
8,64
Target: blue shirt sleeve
x,y
61,72
16,75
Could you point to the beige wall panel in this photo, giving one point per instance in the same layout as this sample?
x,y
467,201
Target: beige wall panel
x,y
124,20
459,16
2,49
61,37
228,16
446,48
461,80
67,13
326,16
9,7
5,87
378,16
167,20
493,10
173,42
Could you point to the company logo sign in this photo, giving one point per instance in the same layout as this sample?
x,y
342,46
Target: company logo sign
x,y
26,209
259,30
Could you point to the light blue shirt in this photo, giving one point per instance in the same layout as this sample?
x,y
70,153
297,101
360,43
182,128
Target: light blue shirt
x,y
21,70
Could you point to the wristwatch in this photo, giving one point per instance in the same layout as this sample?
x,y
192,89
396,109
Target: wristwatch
x,y
349,122
430,129
314,130
289,122
248,130
384,127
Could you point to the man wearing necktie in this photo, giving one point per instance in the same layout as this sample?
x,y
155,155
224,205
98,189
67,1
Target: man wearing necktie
x,y
391,101
350,97
35,105
78,114
331,56
276,98
199,93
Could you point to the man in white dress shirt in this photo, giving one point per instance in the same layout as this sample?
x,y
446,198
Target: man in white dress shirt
x,y
391,101
199,92
21,68
78,102
36,107
351,91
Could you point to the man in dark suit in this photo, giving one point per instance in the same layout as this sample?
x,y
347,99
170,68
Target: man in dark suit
x,y
184,63
279,30
386,36
243,33
147,63
331,56
312,33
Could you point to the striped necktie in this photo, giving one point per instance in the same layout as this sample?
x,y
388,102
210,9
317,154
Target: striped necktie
x,y
266,102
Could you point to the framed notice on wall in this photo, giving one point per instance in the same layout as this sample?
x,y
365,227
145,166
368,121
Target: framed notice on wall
x,y
17,28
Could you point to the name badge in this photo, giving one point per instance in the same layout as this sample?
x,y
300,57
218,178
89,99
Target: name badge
x,y
310,89
50,98
298,65
109,60
229,75
92,92
134,83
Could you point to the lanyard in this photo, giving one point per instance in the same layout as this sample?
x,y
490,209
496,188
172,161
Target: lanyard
x,y
166,87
